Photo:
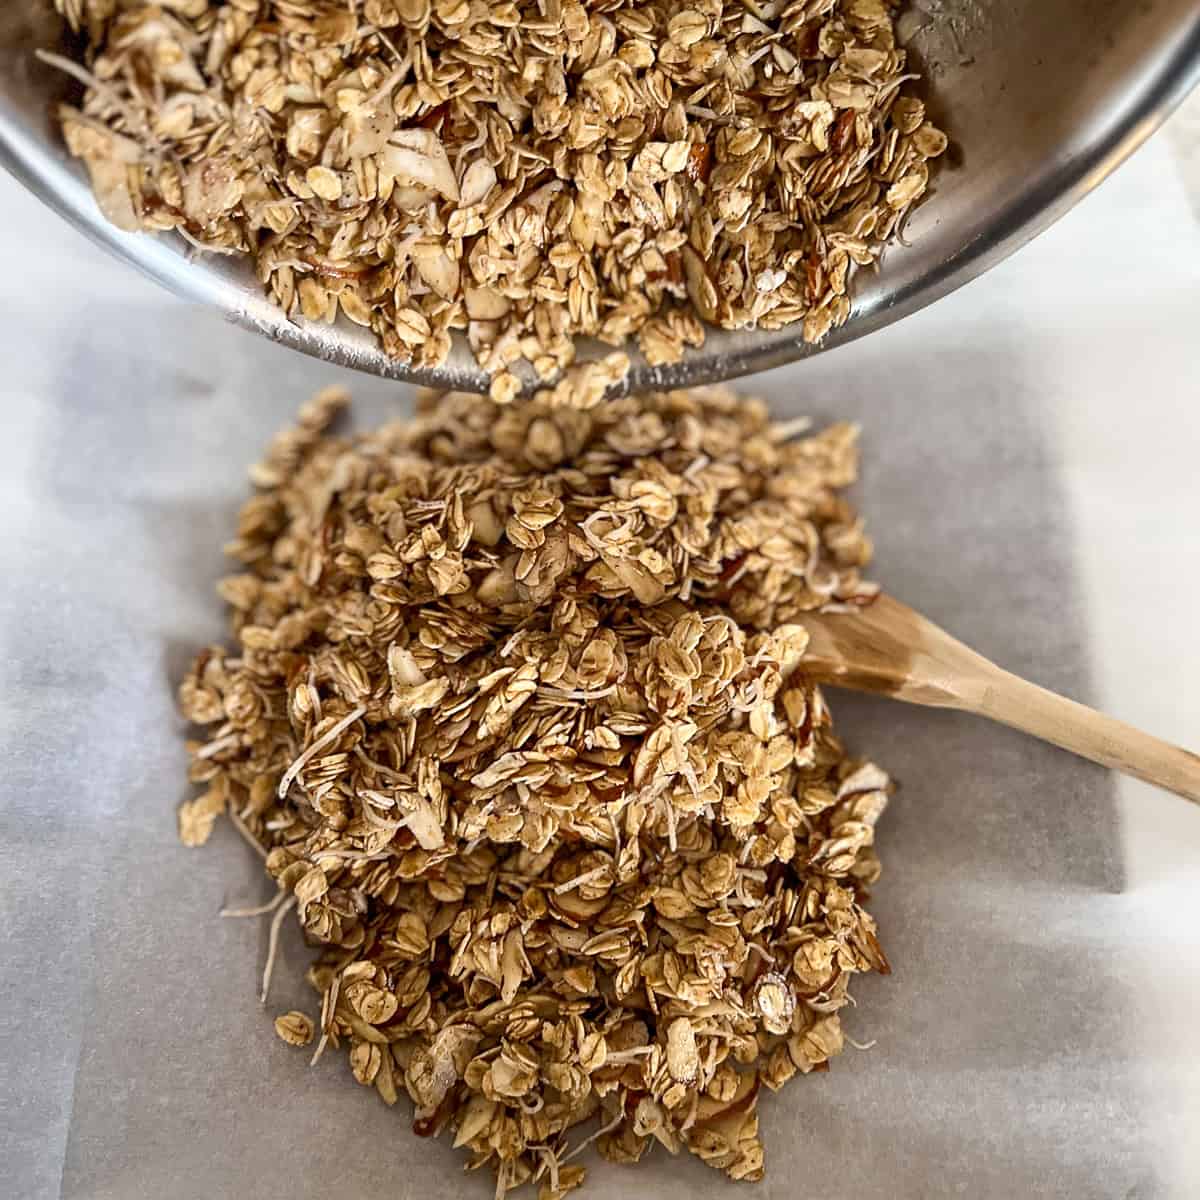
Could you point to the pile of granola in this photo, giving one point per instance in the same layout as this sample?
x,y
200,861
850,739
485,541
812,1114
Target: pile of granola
x,y
518,720
526,171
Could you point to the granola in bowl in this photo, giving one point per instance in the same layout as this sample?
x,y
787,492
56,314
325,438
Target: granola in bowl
x,y
523,174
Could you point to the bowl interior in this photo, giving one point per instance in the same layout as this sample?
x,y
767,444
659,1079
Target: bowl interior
x,y
1041,98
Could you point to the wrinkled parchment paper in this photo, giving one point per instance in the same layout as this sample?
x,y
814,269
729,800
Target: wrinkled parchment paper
x,y
1024,1045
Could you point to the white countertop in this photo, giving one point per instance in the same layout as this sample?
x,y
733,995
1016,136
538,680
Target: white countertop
x,y
1031,476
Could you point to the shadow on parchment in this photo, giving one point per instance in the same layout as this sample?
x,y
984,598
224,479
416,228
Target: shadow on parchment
x,y
1002,1068
971,529
998,1070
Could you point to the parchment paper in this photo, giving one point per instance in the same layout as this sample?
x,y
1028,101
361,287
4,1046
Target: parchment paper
x,y
1012,1053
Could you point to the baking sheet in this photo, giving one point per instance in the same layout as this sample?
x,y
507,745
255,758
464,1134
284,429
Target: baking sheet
x,y
1010,1055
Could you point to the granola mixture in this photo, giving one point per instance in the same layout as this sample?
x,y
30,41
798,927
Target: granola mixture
x,y
518,720
526,171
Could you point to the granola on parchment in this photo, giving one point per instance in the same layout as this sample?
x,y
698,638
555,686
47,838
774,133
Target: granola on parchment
x,y
524,171
517,717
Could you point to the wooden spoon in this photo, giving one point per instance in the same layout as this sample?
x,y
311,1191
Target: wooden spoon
x,y
888,648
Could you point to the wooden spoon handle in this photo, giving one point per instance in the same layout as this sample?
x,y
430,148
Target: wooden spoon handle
x,y
890,649
1023,705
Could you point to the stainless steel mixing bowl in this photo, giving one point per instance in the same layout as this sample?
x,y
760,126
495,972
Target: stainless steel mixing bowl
x,y
1042,98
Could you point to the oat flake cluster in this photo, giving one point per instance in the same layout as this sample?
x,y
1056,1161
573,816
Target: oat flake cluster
x,y
527,171
518,719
